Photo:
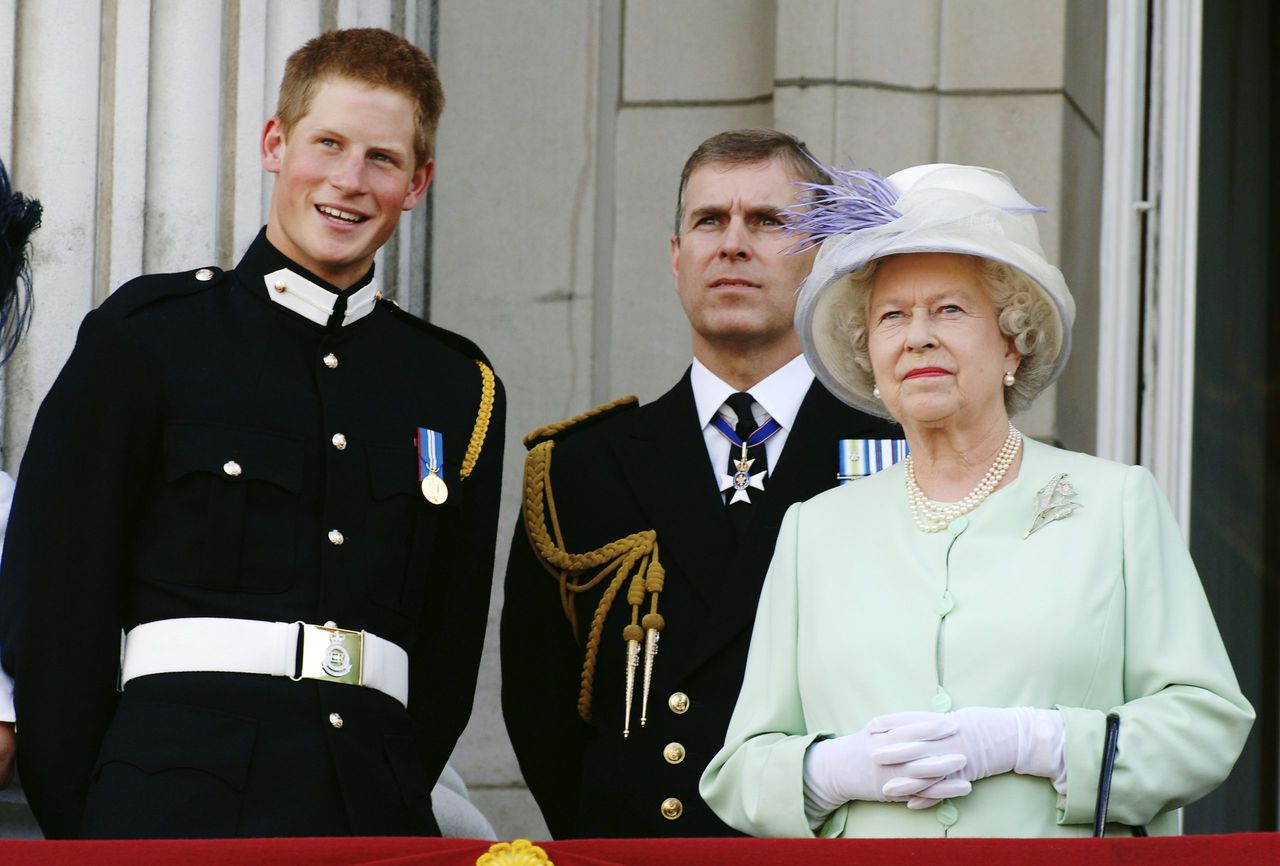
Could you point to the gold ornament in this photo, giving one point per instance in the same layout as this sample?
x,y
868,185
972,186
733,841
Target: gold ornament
x,y
521,852
434,489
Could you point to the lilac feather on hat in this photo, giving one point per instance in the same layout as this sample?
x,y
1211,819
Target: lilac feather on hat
x,y
854,200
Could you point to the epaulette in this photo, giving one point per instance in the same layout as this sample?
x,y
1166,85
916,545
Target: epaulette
x,y
149,288
457,342
558,429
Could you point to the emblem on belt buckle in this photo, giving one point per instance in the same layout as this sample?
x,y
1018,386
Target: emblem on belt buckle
x,y
337,661
332,654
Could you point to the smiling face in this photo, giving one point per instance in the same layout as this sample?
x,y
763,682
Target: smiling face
x,y
345,173
935,344
736,285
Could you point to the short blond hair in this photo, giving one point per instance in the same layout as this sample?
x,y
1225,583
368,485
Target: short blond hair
x,y
371,56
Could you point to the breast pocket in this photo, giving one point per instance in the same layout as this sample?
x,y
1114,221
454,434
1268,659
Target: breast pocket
x,y
233,498
407,531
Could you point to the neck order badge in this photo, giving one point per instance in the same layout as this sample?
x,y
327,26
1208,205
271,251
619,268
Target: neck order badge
x,y
430,460
742,479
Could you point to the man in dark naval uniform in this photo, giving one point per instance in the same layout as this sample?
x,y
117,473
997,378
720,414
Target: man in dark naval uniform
x,y
658,521
283,490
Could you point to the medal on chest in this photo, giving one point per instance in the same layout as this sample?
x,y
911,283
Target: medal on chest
x,y
430,444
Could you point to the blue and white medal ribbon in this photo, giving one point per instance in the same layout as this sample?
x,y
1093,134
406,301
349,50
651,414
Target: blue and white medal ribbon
x,y
858,458
741,480
430,461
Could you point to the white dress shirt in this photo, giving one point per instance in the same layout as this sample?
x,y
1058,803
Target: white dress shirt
x,y
777,396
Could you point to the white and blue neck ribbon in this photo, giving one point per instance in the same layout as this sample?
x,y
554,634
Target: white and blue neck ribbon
x,y
763,432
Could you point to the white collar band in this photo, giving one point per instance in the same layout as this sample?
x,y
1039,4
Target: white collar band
x,y
315,303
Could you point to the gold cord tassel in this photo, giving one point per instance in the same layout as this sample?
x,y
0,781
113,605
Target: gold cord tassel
x,y
650,654
578,573
653,624
632,636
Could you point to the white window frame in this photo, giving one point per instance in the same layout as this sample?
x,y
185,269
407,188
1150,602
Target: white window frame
x,y
1161,320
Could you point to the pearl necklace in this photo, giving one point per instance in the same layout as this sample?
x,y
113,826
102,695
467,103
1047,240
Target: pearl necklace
x,y
932,517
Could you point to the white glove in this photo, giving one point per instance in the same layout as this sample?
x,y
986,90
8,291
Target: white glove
x,y
993,741
851,767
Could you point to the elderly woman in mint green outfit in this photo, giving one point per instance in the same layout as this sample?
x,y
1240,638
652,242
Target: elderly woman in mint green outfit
x,y
938,646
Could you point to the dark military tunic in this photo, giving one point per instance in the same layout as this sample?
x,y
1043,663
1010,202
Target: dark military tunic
x,y
127,513
635,470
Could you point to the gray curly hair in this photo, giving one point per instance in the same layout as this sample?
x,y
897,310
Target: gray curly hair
x,y
1025,315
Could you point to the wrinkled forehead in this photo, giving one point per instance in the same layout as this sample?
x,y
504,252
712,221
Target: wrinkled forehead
x,y
926,277
770,182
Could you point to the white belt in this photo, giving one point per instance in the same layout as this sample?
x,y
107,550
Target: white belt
x,y
250,646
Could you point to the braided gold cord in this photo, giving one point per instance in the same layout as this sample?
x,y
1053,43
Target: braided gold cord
x,y
634,556
635,595
481,429
657,575
551,430
587,682
538,500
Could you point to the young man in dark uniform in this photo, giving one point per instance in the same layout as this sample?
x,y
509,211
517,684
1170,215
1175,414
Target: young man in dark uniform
x,y
658,521
283,489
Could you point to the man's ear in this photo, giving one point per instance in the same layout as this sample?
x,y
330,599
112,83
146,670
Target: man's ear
x,y
675,256
419,183
273,145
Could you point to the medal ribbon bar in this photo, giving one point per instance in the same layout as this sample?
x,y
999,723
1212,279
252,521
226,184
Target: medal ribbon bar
x,y
858,458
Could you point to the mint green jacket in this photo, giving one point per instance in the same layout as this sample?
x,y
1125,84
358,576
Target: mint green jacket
x,y
863,614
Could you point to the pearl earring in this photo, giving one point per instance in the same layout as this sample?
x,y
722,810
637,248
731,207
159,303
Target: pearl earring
x,y
1009,379
875,391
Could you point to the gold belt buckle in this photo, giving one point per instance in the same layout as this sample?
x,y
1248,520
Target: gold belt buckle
x,y
332,654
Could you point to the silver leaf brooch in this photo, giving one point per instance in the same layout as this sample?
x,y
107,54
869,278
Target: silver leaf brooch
x,y
1054,501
